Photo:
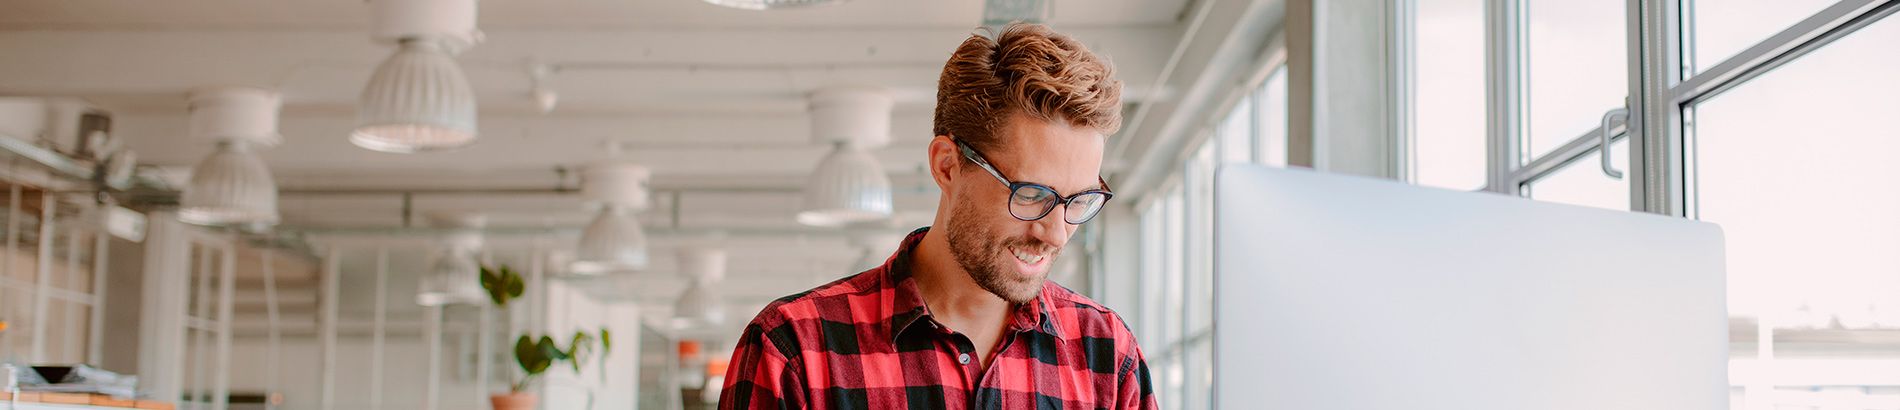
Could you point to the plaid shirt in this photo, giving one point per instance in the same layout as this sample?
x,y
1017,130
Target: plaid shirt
x,y
868,342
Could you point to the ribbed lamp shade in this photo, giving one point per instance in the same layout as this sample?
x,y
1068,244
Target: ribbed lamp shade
x,y
417,101
231,187
698,307
454,279
848,187
771,4
612,243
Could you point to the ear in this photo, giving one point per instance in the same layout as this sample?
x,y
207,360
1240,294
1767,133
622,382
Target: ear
x,y
944,161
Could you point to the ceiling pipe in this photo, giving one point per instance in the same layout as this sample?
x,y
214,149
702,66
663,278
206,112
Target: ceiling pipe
x,y
675,66
1121,144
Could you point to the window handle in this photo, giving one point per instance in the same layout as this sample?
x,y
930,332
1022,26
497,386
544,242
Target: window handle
x,y
1603,141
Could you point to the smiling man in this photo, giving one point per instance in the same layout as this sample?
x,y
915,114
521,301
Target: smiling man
x,y
963,315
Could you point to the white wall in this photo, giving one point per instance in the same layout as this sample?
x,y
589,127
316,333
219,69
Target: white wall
x,y
613,384
405,367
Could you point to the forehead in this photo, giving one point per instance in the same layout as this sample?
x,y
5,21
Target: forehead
x,y
1054,153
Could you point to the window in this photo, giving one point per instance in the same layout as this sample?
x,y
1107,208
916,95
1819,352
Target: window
x,y
1168,366
48,278
1574,69
1147,322
1236,132
1725,27
1175,319
1797,166
1449,130
1270,119
1200,278
1794,161
1582,182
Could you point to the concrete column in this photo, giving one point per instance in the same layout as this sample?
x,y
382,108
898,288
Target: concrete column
x,y
1341,87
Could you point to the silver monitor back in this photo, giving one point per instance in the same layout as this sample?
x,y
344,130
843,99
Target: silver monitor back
x,y
1336,292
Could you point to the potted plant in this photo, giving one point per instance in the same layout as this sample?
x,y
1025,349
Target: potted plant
x,y
534,355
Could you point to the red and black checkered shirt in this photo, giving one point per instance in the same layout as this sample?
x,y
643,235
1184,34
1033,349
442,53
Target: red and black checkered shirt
x,y
868,342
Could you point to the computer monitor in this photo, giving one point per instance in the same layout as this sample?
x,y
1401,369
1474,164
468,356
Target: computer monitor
x,y
1339,292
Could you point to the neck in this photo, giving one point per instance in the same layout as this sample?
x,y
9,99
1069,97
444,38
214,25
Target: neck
x,y
948,290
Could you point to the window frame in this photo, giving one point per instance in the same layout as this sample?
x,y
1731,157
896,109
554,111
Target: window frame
x,y
1183,202
1661,168
1664,90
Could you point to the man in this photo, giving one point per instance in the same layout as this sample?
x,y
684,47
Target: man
x,y
963,315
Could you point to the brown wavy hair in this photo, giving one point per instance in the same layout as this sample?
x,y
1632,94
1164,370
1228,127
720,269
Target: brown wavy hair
x,y
1027,69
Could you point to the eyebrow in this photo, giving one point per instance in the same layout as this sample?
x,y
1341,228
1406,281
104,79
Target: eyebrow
x,y
1101,184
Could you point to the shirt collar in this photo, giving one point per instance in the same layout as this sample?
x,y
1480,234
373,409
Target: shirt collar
x,y
906,305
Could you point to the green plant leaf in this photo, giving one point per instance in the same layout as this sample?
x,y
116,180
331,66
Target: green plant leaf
x,y
533,358
495,281
581,348
503,284
551,350
606,342
516,286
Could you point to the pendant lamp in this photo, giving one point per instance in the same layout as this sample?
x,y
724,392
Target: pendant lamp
x,y
699,305
849,186
232,186
454,276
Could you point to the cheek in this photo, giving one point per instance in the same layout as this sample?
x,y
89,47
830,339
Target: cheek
x,y
988,215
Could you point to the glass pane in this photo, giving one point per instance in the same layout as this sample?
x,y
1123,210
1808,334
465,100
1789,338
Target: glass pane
x,y
1236,133
1200,374
1270,127
21,263
656,366
1582,182
72,258
16,310
1153,264
1200,266
66,326
1725,27
1448,106
1174,275
1173,388
1576,69
1797,165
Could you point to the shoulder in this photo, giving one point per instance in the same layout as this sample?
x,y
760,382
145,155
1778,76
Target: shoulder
x,y
1079,316
786,314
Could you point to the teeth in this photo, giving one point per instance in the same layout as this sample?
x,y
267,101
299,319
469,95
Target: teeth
x,y
1027,257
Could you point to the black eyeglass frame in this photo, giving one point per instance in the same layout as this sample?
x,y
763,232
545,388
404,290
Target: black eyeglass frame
x,y
977,158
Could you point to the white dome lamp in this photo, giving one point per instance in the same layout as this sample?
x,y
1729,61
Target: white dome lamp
x,y
232,187
849,185
614,241
699,306
418,100
454,277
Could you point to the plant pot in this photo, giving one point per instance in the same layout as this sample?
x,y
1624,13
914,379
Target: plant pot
x,y
513,401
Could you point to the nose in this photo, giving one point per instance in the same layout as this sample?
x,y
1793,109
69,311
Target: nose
x,y
1052,229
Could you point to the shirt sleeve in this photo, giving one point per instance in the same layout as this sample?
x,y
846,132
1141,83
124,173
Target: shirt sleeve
x,y
762,374
1135,391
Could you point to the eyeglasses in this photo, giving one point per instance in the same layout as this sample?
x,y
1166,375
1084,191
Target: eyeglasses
x,y
1030,201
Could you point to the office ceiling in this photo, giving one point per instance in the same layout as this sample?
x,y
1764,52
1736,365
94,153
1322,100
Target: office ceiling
x,y
710,98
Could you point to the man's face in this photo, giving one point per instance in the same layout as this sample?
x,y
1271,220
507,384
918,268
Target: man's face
x,y
1005,255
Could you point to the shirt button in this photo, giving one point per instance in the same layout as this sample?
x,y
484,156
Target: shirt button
x,y
963,358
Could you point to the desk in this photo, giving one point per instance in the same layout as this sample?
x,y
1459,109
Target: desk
x,y
69,401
